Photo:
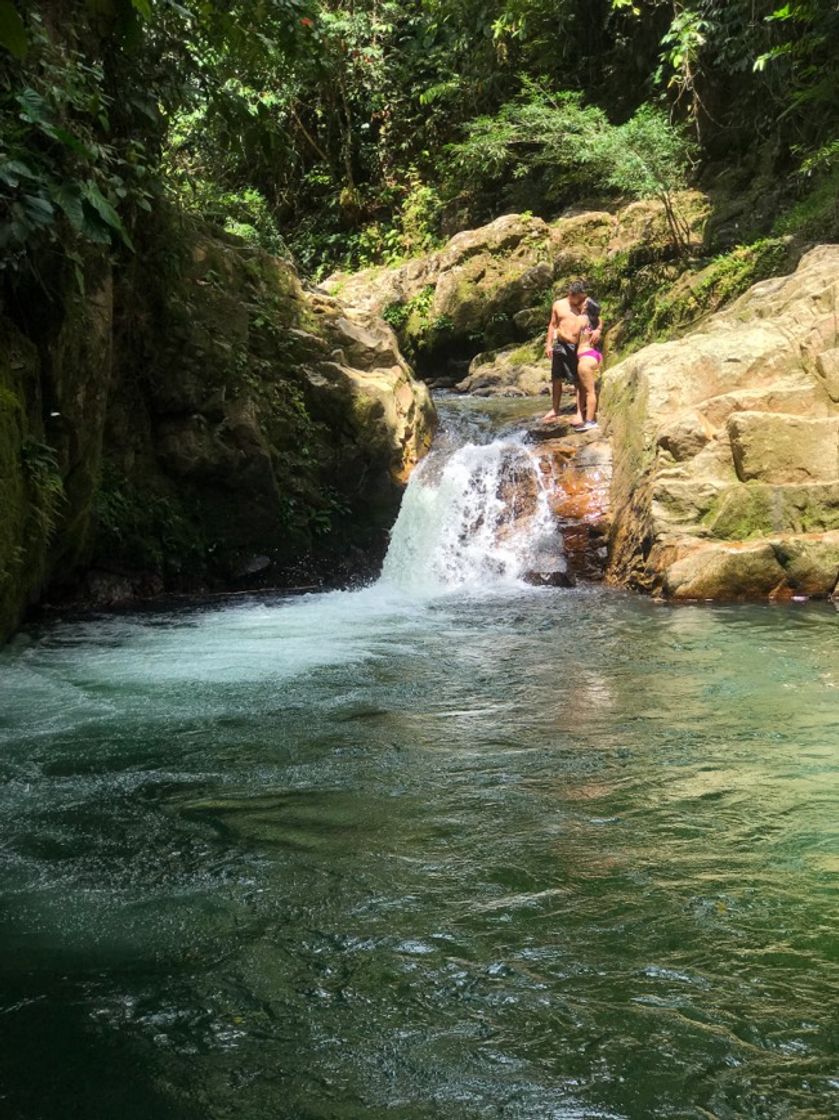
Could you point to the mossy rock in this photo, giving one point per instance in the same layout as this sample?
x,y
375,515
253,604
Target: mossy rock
x,y
22,539
726,447
756,509
202,409
54,389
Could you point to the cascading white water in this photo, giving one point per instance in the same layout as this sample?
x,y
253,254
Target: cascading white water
x,y
472,517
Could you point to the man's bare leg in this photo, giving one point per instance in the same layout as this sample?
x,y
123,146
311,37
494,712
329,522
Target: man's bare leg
x,y
556,399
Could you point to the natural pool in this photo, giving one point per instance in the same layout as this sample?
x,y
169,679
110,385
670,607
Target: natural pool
x,y
485,852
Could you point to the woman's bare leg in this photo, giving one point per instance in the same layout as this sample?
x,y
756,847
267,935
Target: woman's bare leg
x,y
586,376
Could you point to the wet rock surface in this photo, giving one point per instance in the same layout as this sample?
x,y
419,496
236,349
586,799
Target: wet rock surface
x,y
577,467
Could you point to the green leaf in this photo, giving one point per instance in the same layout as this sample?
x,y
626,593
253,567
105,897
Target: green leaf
x,y
12,32
70,140
40,209
69,198
94,197
13,170
95,230
143,7
34,108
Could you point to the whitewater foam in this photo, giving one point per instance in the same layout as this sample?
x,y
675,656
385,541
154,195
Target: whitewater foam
x,y
471,518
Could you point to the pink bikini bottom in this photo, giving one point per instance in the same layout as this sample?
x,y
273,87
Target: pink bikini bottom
x,y
591,354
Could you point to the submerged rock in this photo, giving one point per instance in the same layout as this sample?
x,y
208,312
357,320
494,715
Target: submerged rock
x,y
726,448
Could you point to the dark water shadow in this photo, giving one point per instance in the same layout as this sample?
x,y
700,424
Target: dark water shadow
x,y
55,1064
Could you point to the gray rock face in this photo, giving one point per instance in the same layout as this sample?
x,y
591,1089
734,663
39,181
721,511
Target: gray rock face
x,y
726,443
780,448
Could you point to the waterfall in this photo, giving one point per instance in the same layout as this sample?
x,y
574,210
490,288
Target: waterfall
x,y
473,517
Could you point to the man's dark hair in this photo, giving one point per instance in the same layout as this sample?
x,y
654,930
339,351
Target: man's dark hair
x,y
577,288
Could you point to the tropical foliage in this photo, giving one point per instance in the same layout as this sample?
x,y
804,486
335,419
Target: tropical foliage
x,y
354,131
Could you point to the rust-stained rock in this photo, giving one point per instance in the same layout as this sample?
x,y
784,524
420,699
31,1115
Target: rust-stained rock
x,y
578,470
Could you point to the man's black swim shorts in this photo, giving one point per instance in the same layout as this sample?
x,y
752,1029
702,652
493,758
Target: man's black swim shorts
x,y
564,362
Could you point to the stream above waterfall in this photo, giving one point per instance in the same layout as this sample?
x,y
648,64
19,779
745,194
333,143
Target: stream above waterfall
x,y
447,847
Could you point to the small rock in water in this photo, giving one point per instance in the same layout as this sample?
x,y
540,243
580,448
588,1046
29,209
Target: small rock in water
x,y
549,579
548,429
550,571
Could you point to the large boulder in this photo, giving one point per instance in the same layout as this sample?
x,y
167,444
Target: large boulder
x,y
194,423
514,371
726,480
493,286
266,420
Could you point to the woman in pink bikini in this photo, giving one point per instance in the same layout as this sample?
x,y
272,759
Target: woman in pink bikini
x,y
589,360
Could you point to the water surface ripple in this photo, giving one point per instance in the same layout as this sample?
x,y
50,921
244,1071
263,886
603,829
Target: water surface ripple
x,y
531,854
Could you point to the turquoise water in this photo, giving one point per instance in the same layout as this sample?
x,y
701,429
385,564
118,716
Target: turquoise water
x,y
548,854
517,854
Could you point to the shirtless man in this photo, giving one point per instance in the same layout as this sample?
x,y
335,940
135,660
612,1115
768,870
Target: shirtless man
x,y
567,318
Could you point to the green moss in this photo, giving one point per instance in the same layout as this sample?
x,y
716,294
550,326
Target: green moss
x,y
141,527
222,443
742,513
410,319
660,300
524,355
39,467
12,556
756,509
624,402
28,483
10,402
722,280
816,215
